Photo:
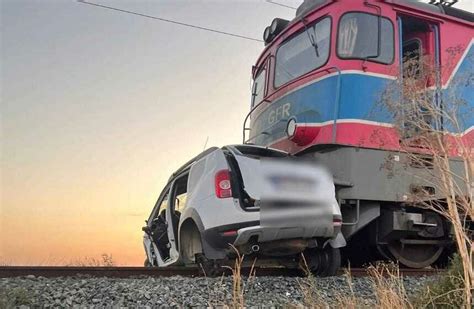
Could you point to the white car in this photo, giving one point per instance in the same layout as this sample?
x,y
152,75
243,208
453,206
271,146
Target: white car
x,y
256,200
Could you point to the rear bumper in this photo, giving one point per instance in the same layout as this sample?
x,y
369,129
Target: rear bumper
x,y
268,234
222,236
243,233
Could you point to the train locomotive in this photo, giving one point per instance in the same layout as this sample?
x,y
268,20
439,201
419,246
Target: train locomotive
x,y
315,86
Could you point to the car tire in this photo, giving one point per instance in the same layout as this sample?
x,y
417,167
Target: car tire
x,y
323,262
190,244
208,268
191,252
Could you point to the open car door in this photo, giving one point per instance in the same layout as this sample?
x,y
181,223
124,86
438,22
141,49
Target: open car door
x,y
159,239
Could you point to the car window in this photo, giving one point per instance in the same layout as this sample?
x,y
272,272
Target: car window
x,y
180,193
180,202
303,53
161,205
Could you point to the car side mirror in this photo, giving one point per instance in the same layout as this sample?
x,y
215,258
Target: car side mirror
x,y
146,229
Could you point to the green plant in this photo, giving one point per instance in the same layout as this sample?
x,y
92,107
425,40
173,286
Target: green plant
x,y
448,291
15,297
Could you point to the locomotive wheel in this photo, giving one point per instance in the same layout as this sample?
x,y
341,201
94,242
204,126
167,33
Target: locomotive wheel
x,y
414,256
323,262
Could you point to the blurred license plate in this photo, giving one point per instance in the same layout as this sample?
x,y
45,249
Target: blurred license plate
x,y
291,183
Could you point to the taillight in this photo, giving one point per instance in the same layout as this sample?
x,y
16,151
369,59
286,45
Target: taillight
x,y
222,181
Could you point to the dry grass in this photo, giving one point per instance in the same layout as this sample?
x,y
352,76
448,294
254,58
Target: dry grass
x,y
105,260
219,293
388,286
314,298
423,129
238,284
389,291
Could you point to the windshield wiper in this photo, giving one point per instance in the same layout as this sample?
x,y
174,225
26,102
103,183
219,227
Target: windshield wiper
x,y
312,38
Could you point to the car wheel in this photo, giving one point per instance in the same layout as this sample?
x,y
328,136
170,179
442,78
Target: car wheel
x,y
323,262
209,268
190,244
192,253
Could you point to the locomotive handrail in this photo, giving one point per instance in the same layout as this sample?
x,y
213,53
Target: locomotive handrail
x,y
254,137
336,111
247,117
336,105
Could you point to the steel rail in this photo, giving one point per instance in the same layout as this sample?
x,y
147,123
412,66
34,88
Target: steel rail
x,y
127,272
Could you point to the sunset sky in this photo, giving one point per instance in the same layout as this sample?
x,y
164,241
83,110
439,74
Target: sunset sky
x,y
99,107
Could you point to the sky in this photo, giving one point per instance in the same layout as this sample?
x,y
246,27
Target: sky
x,y
98,108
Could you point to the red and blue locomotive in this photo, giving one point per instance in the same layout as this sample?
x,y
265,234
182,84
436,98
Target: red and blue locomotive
x,y
315,87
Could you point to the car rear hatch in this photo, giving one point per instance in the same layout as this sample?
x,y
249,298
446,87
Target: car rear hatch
x,y
247,176
285,191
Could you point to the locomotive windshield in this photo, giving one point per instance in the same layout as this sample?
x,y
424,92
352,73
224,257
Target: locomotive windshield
x,y
357,38
258,87
303,53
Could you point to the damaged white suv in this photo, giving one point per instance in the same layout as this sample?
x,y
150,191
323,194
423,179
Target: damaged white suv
x,y
256,200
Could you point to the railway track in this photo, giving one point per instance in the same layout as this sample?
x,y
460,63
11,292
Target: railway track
x,y
126,272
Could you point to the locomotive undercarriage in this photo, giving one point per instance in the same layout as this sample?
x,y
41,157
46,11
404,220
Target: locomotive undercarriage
x,y
374,190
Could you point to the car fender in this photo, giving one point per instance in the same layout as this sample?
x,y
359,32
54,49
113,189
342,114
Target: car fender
x,y
209,251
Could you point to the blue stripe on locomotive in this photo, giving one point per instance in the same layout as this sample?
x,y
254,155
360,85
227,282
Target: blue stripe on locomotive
x,y
315,103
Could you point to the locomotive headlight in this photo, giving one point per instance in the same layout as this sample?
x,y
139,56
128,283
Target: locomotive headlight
x,y
277,26
266,35
274,25
291,127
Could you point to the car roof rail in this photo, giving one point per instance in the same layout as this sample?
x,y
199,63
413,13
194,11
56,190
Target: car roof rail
x,y
187,164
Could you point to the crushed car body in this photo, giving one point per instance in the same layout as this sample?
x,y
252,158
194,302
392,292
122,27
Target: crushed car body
x,y
246,199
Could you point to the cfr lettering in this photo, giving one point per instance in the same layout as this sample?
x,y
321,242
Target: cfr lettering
x,y
279,113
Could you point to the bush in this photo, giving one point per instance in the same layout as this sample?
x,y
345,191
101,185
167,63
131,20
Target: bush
x,y
448,291
15,297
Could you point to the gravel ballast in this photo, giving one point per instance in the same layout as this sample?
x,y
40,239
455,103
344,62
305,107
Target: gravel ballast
x,y
180,291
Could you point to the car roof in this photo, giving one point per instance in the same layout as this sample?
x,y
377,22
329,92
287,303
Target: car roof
x,y
235,148
190,162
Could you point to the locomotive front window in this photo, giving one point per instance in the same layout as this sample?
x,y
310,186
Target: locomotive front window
x,y
258,88
303,53
358,38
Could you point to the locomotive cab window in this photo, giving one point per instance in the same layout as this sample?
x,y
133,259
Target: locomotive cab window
x,y
303,53
412,58
258,87
359,38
